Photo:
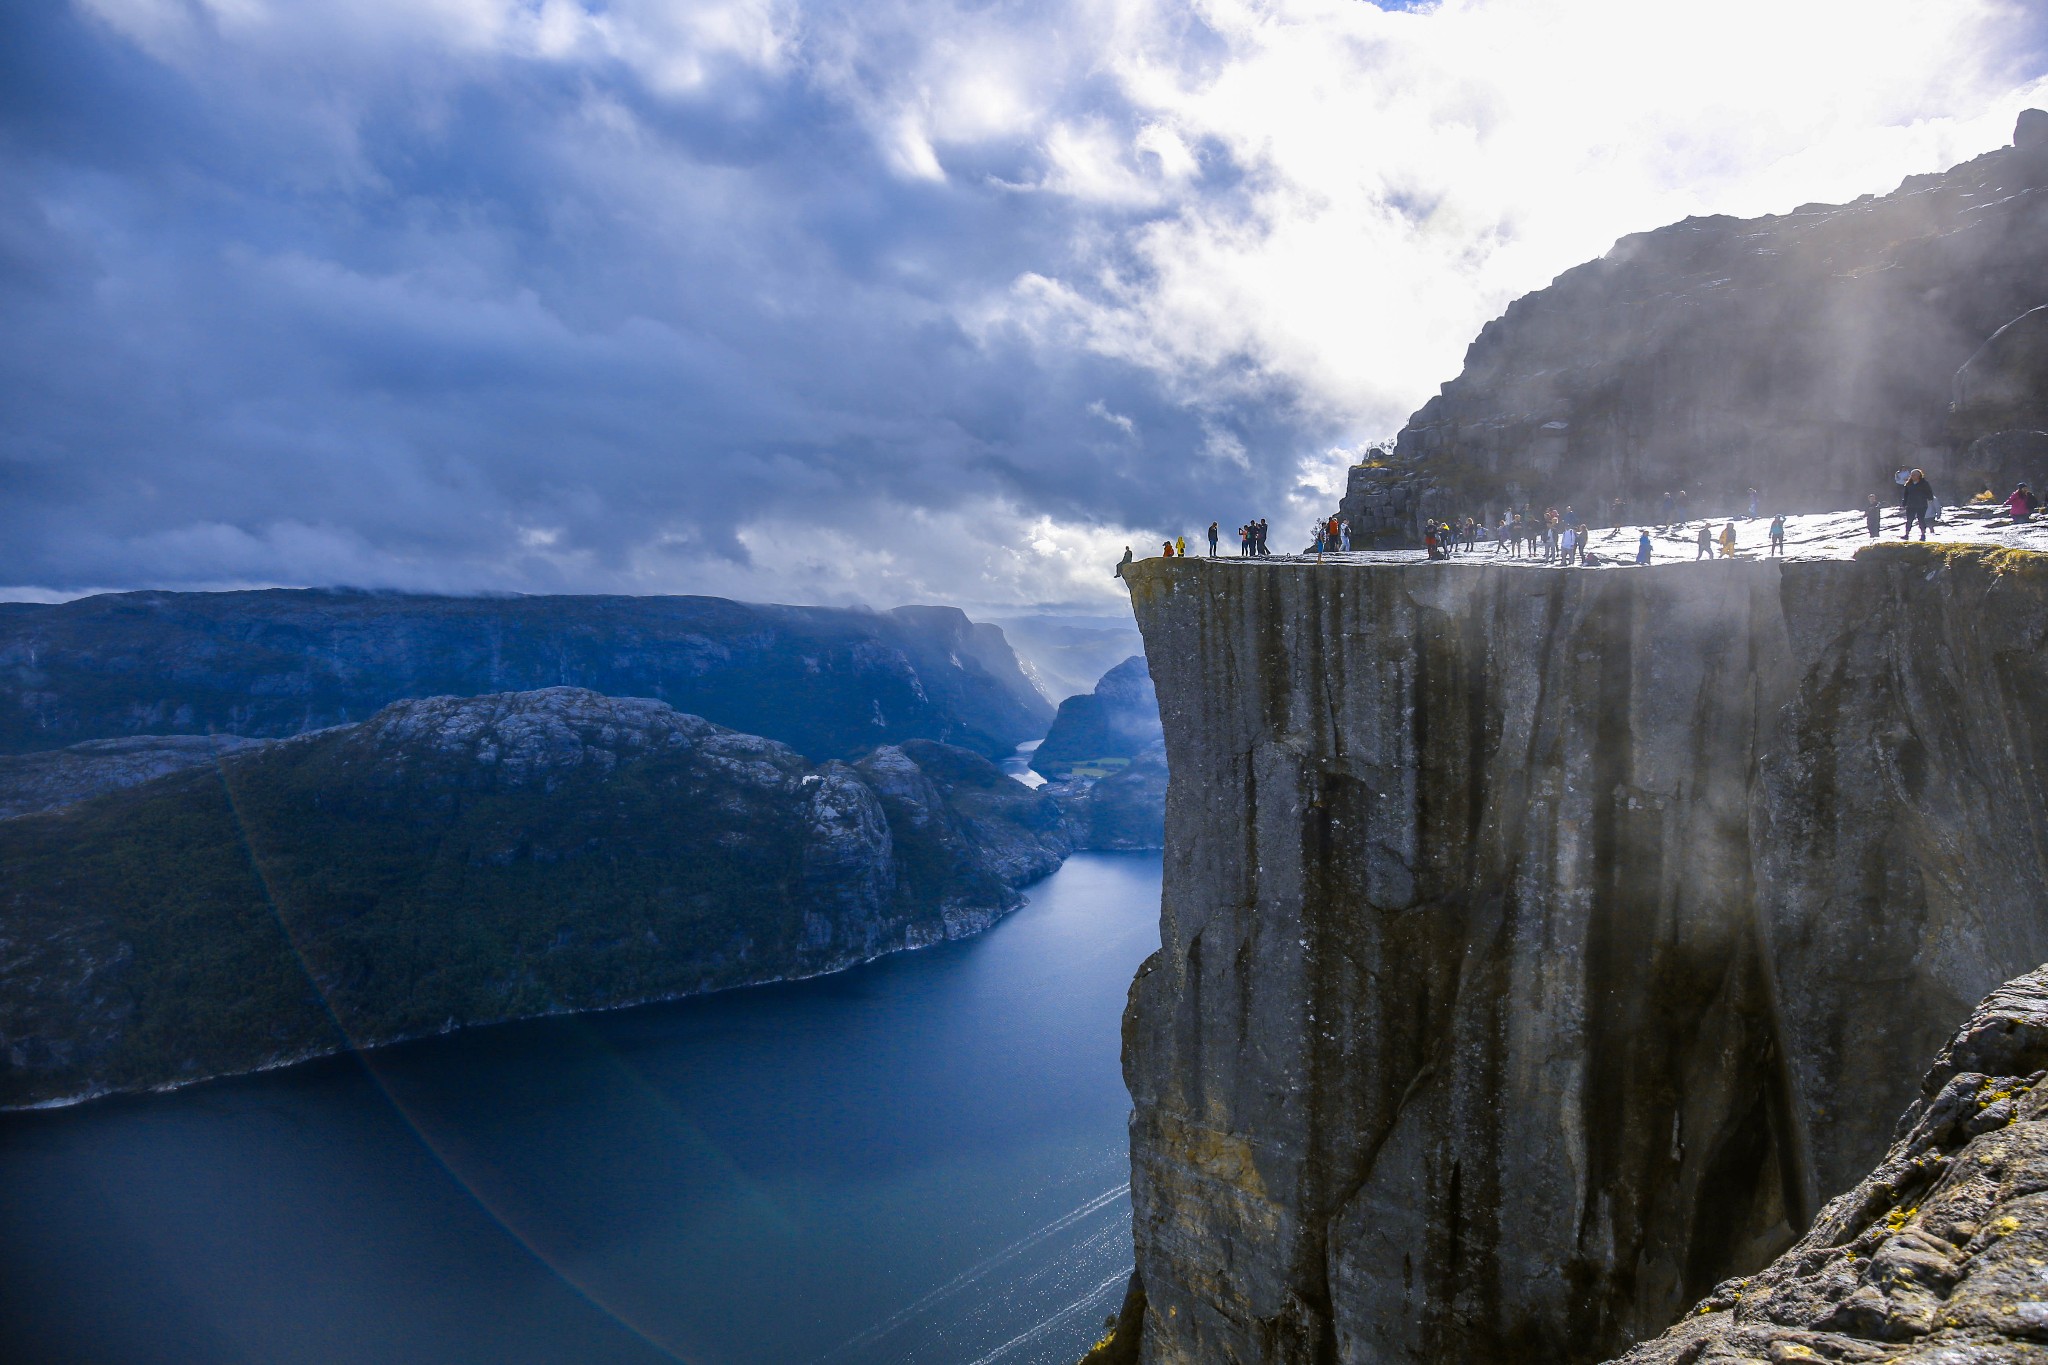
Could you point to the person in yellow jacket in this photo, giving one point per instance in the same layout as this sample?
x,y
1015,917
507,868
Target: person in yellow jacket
x,y
1180,545
1728,540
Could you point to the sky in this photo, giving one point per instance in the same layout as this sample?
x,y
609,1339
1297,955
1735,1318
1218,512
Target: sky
x,y
838,300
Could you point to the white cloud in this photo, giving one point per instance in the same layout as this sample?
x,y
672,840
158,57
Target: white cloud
x,y
885,300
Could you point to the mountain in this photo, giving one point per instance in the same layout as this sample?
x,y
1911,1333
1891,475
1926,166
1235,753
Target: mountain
x,y
1123,811
1100,731
830,683
1808,354
455,861
1066,654
63,777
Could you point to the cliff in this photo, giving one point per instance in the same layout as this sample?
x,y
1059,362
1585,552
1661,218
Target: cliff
x,y
1935,1257
830,683
454,861
1107,760
1540,948
1807,353
1104,728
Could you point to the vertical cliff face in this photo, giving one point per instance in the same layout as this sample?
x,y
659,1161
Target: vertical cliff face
x,y
1541,947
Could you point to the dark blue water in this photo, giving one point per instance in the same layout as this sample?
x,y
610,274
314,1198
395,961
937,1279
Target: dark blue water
x,y
919,1160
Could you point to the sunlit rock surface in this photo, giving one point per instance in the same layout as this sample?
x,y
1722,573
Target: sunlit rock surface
x,y
1937,1256
1543,946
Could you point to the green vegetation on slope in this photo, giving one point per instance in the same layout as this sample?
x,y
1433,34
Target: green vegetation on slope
x,y
453,862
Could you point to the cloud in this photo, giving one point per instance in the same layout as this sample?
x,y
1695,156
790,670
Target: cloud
x,y
823,301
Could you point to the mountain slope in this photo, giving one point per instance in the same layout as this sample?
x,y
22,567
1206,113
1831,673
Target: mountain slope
x,y
1807,353
830,683
460,860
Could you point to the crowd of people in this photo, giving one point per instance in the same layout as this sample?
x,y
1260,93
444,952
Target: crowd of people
x,y
1562,536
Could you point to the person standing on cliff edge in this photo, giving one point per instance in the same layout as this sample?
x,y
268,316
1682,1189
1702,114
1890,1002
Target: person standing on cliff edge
x,y
1212,540
1915,496
1643,547
1873,517
1706,544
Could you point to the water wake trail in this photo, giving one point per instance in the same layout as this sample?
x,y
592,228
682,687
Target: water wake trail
x,y
977,1271
1037,1330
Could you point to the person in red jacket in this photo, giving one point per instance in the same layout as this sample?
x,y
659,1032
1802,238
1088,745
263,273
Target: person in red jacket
x,y
2021,504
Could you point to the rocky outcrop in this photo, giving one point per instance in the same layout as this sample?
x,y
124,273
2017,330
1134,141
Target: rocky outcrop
x,y
1124,812
1104,728
1807,354
454,861
63,777
1540,948
830,683
1934,1258
1107,760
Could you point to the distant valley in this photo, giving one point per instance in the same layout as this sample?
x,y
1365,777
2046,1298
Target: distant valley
x,y
261,844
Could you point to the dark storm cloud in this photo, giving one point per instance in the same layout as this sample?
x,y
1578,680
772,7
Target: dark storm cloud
x,y
814,298
389,313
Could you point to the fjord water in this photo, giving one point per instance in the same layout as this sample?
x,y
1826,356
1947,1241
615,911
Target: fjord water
x,y
922,1159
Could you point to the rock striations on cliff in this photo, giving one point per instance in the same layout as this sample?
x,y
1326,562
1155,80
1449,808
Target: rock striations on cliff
x,y
1805,353
1541,948
455,861
1937,1256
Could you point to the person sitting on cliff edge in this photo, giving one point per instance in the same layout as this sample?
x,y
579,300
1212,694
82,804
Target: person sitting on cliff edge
x,y
1915,497
1123,563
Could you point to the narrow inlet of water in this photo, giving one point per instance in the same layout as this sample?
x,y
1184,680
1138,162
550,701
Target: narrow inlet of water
x,y
920,1160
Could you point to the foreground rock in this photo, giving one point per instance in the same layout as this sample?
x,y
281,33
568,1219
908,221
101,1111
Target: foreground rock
x,y
1540,948
1937,1257
1807,354
455,861
828,682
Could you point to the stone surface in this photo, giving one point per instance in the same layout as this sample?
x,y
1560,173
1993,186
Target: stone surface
x,y
461,860
62,777
2004,386
1807,354
1541,947
1939,1256
2031,132
830,683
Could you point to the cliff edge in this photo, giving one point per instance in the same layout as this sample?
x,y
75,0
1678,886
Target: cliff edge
x,y
1936,1257
1540,948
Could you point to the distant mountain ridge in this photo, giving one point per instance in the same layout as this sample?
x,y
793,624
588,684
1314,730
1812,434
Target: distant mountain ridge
x,y
829,682
455,861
